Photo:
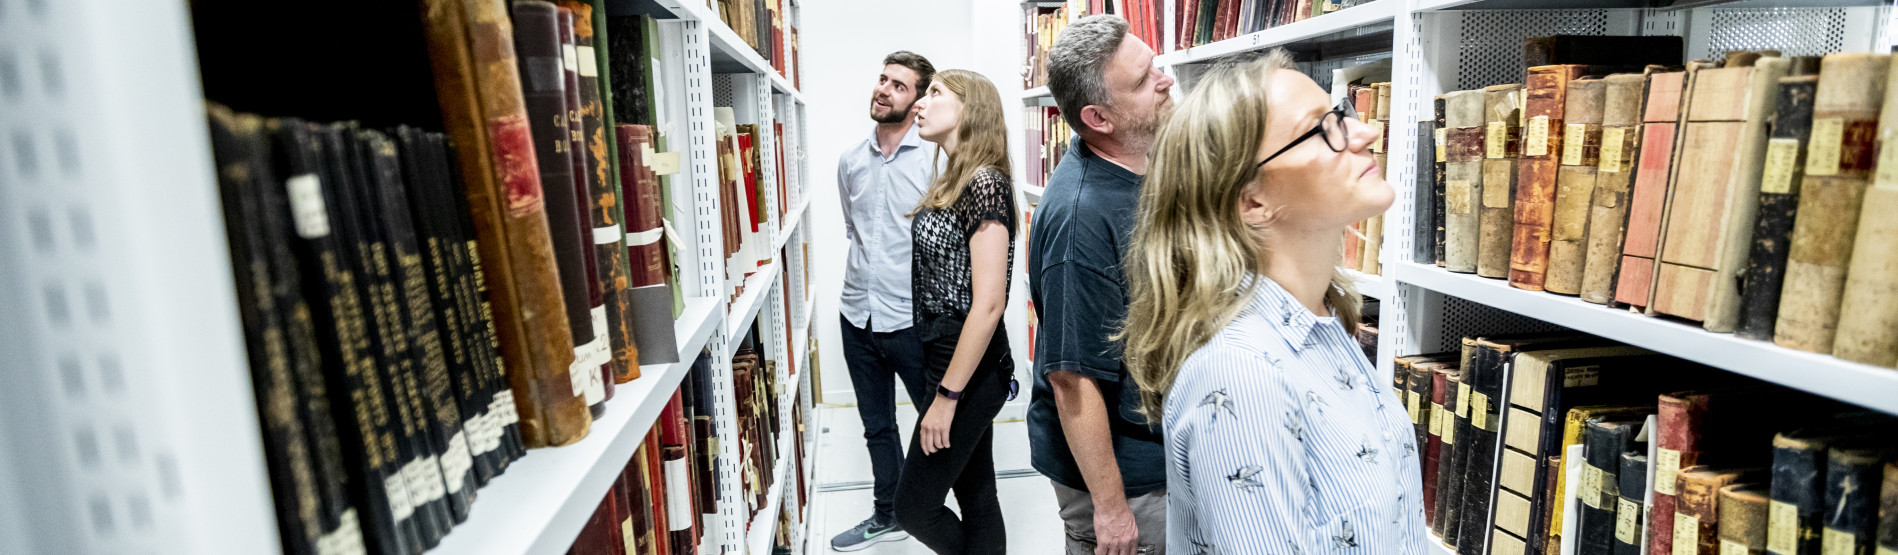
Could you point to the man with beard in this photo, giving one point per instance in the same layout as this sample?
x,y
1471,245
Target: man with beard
x,y
881,182
1084,425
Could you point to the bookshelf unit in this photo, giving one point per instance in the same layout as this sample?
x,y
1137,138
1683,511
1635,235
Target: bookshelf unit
x,y
131,420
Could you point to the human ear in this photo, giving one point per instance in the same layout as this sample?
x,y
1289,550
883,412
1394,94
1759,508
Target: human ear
x,y
1254,209
1095,117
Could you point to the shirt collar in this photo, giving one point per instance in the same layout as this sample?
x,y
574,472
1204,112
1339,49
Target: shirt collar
x,y
1078,146
911,139
1275,305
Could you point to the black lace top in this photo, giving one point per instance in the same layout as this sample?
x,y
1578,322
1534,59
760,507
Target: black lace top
x,y
940,278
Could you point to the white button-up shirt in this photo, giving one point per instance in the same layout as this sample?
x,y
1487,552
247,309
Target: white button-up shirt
x,y
878,193
1281,439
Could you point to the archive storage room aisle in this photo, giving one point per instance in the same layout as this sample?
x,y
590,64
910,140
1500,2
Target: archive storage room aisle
x,y
545,277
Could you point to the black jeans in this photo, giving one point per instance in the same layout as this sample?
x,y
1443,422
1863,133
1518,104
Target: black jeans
x,y
876,360
968,465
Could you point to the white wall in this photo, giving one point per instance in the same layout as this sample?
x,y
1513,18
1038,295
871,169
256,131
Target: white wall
x,y
844,42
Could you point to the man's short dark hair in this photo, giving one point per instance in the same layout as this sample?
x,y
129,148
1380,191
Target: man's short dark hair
x,y
1077,62
915,62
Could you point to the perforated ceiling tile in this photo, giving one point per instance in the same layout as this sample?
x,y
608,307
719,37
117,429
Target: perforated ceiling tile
x,y
1792,31
1491,42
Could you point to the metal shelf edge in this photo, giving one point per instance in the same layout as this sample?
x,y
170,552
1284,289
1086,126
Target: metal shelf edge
x,y
745,309
1342,20
791,220
758,538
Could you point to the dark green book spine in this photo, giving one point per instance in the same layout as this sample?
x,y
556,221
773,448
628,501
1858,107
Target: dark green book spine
x,y
1633,486
1853,475
1785,164
1600,488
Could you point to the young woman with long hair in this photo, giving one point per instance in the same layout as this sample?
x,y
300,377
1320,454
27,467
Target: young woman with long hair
x,y
964,233
1279,436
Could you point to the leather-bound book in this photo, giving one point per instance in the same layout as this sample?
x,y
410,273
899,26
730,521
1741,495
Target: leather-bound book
x,y
1431,159
599,535
1614,180
1623,51
1443,382
1797,506
1742,520
1677,446
660,528
678,475
1575,178
1448,486
1779,200
1634,281
1488,374
478,85
651,291
1715,427
1418,374
1696,524
1709,227
1600,490
603,194
500,422
1888,511
1502,146
1573,434
1459,433
1463,140
1853,473
593,358
1839,164
1629,520
1866,332
1543,111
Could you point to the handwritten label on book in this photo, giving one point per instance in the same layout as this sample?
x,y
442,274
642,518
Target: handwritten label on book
x,y
1667,464
1782,527
1612,140
1627,520
1536,137
1781,155
1686,533
306,206
1462,400
1574,142
1442,138
1496,140
1460,195
1822,151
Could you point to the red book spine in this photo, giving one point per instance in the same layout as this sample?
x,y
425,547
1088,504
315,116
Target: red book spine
x,y
1676,448
660,522
1433,446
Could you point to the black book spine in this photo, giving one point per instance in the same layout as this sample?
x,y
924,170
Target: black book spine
x,y
1628,522
1438,171
500,420
388,339
1479,474
1427,212
1602,446
452,466
1797,495
543,88
241,173
1417,402
1852,478
1465,445
1779,200
1888,510
1448,487
368,440
626,66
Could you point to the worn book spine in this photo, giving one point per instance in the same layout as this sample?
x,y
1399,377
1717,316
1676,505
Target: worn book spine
x,y
1486,407
1629,521
1866,332
1438,157
1575,183
1798,493
1447,485
1441,381
1716,196
1850,519
1545,100
477,83
1660,112
1428,224
1676,447
1697,515
593,358
1417,398
1502,147
651,290
1614,180
1600,490
501,420
1839,164
1743,520
678,476
1601,50
603,188
1779,202
1575,424
1888,511
1463,151
1463,437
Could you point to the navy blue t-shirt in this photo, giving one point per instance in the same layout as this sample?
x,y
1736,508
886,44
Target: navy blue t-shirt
x,y
1080,230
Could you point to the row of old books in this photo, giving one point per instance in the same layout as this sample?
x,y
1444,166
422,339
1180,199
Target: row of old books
x,y
1048,133
1042,24
745,209
1569,444
1365,239
1681,193
763,25
1198,22
755,389
666,497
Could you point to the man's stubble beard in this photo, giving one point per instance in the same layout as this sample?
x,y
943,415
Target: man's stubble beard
x,y
895,115
1140,133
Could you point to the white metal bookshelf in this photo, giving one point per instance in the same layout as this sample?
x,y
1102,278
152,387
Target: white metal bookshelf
x,y
131,424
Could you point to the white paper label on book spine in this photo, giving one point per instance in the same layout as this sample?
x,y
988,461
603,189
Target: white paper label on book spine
x,y
1822,150
1462,400
1836,542
1627,520
425,481
1730,547
643,238
1781,157
1686,533
1442,136
432,478
398,491
1414,404
1479,411
1667,463
1574,142
456,462
1590,490
478,428
306,206
569,58
607,235
346,539
1436,420
1782,527
1535,137
678,507
1496,140
589,64
1612,139
1581,376
503,408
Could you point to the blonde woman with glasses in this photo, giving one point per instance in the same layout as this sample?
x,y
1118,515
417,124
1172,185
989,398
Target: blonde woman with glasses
x,y
1279,436
964,232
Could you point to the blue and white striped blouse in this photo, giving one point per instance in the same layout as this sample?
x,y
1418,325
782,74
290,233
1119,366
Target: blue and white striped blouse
x,y
1280,440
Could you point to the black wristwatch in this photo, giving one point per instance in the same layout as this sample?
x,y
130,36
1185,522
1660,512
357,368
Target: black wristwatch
x,y
947,394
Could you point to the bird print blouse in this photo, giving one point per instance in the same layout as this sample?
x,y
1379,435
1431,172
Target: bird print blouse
x,y
1281,440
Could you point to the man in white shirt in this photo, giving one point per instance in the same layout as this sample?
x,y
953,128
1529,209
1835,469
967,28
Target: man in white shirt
x,y
880,182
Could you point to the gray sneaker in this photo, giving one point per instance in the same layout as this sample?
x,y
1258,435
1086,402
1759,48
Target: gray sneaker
x,y
870,531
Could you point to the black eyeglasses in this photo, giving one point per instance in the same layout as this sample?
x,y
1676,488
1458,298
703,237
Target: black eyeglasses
x,y
1330,126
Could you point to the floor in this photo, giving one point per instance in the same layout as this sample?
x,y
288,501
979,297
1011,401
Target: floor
x,y
843,468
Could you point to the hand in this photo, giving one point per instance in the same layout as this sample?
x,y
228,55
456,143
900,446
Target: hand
x,y
934,430
1114,530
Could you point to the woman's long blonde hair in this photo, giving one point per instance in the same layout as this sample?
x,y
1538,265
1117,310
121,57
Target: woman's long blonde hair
x,y
981,137
1191,251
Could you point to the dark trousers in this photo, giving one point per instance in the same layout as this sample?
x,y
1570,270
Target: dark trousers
x,y
876,360
968,465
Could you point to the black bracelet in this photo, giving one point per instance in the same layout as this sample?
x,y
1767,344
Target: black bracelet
x,y
947,394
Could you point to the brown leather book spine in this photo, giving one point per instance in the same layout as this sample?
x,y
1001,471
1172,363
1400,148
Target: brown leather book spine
x,y
1575,183
1839,164
1634,281
471,51
1742,520
609,242
1614,179
1463,178
1866,332
1697,515
1546,97
1502,146
1709,225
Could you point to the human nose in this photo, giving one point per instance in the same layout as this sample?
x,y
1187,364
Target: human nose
x,y
1165,82
1361,134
